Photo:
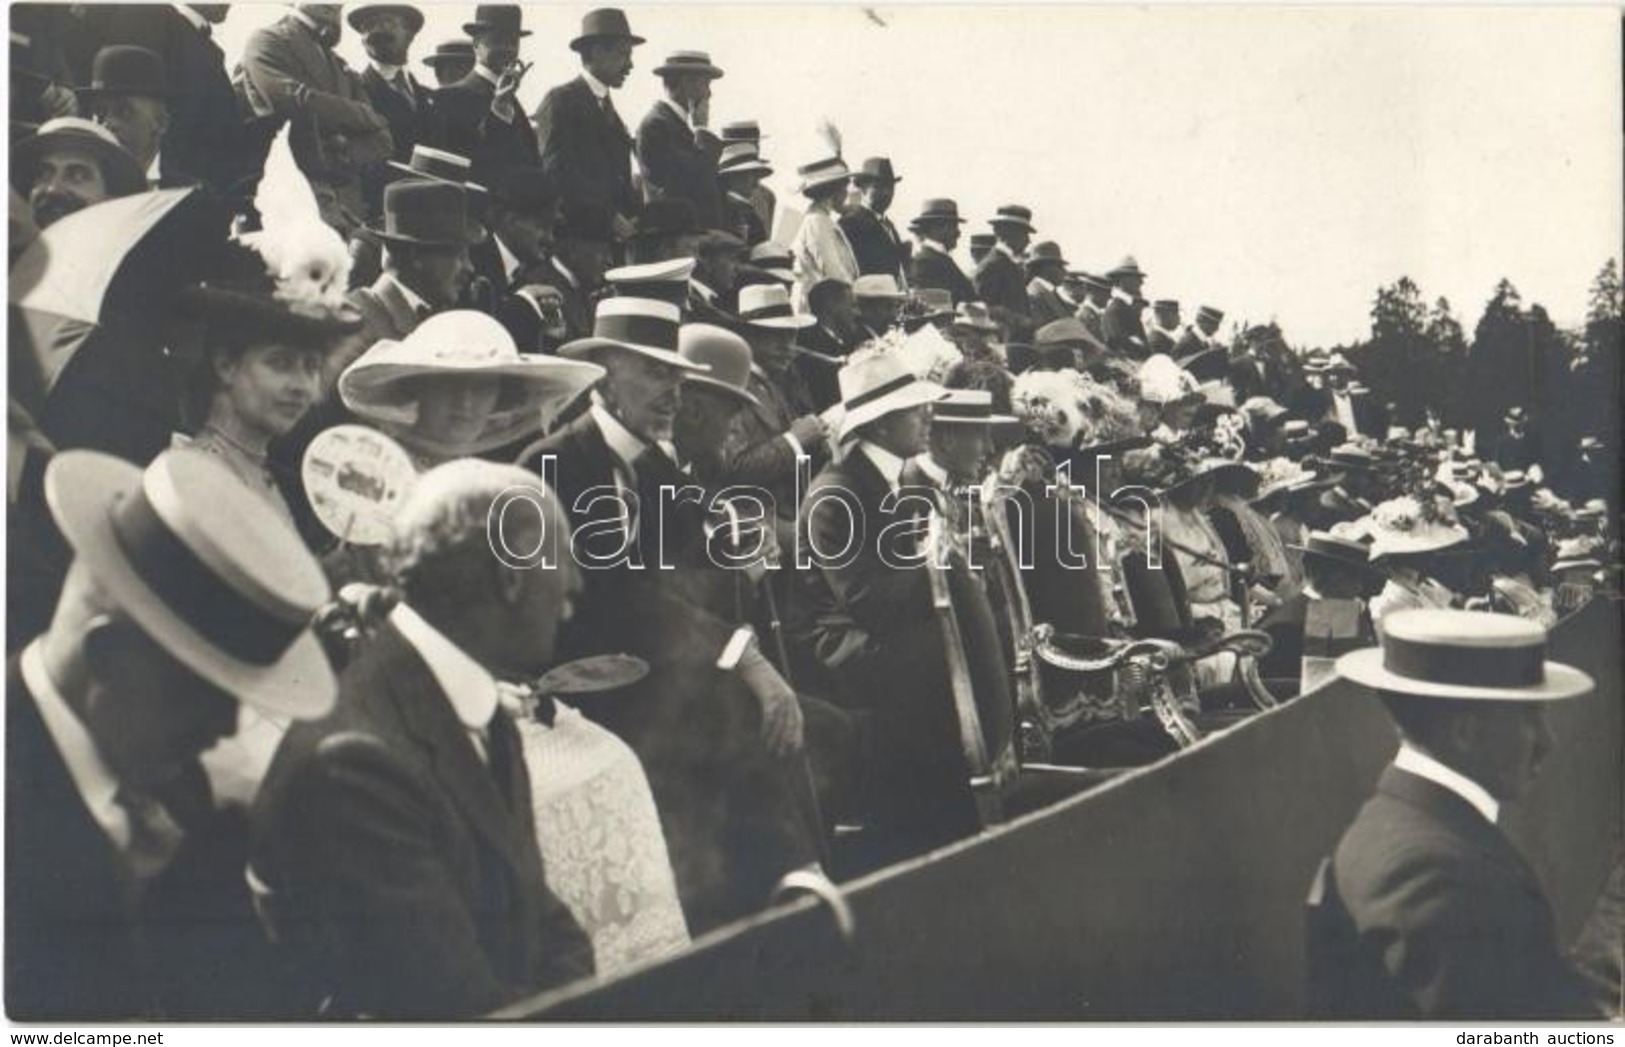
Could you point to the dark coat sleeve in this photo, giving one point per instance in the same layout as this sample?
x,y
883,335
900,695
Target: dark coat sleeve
x,y
586,154
681,163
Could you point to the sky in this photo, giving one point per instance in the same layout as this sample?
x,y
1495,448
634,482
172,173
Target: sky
x,y
1279,163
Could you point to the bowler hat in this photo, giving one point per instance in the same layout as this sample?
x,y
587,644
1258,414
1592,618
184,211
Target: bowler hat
x,y
428,213
1127,267
681,62
876,169
497,18
1463,655
188,554
606,23
123,70
357,15
1045,251
725,357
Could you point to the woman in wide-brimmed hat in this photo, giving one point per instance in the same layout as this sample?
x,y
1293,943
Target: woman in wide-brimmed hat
x,y
457,386
820,249
1406,535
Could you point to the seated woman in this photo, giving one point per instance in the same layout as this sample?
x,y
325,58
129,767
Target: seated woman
x,y
1407,533
458,387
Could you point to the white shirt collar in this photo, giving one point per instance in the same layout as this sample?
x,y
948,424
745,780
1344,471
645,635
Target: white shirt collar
x,y
626,444
1004,249
486,74
388,72
1046,285
1122,295
199,23
510,261
91,776
599,89
890,466
153,169
413,299
471,690
1419,763
937,473
564,271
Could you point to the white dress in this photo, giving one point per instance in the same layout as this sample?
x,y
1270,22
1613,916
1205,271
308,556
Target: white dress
x,y
603,852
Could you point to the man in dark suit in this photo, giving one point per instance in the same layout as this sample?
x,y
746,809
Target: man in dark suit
x,y
478,117
1120,324
1428,910
394,838
538,298
205,138
387,31
585,147
1046,280
290,74
676,149
1203,334
937,229
875,241
864,615
1092,310
124,889
1001,280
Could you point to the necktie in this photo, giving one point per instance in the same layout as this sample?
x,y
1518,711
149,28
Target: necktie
x,y
404,87
502,743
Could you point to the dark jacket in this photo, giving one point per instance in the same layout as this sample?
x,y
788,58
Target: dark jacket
x,y
931,268
680,163
1045,304
206,134
875,243
463,123
1002,284
1441,918
1122,329
586,149
401,868
408,125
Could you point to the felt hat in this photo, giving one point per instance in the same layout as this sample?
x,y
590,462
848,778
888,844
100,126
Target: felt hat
x,y
1463,655
646,326
680,62
356,15
724,356
876,385
188,553
937,209
450,51
384,383
605,23
431,213
497,18
1097,283
875,170
982,242
742,131
768,305
1127,267
1014,214
1045,251
122,69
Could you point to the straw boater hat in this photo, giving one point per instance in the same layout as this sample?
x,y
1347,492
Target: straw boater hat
x,y
120,170
881,286
191,557
384,384
724,357
357,14
775,260
1335,548
606,23
1466,655
968,407
822,174
742,131
974,316
877,385
438,165
681,62
768,305
742,158
645,326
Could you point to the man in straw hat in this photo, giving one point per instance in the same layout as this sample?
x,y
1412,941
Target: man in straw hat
x,y
1092,311
740,171
820,248
867,622
675,146
876,245
451,60
69,164
129,95
936,228
878,300
1001,280
586,148
479,116
958,447
1426,909
185,598
395,848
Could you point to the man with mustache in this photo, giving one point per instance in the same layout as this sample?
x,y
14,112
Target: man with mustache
x,y
478,116
387,32
71,163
